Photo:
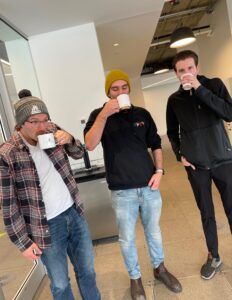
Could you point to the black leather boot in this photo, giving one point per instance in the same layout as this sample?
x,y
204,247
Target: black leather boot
x,y
162,274
137,290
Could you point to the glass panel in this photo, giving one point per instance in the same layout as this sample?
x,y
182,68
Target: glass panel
x,y
2,135
9,80
17,63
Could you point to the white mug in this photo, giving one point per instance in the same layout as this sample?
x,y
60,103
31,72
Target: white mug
x,y
187,85
46,141
124,101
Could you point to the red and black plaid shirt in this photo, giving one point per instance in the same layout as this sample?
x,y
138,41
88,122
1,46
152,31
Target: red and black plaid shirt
x,y
20,192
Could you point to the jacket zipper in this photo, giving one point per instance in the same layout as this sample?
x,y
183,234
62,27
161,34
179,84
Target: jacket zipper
x,y
197,107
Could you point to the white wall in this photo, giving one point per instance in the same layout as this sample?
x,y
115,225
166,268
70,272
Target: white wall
x,y
136,94
156,102
71,77
215,51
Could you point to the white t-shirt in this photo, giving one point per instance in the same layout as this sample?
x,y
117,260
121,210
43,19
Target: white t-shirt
x,y
56,195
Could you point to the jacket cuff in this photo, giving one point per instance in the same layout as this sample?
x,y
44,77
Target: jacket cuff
x,y
24,245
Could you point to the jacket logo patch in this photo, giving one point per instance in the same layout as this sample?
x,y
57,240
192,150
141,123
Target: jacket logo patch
x,y
138,124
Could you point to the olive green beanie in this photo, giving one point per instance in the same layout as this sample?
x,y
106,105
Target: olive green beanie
x,y
113,76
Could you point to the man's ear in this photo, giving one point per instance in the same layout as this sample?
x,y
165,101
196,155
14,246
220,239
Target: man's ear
x,y
18,127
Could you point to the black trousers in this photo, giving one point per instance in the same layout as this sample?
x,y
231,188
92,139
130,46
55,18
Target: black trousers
x,y
201,182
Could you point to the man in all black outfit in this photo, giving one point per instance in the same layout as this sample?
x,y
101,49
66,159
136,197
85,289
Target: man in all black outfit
x,y
132,176
198,137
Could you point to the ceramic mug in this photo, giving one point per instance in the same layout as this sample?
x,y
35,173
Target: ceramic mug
x,y
124,101
46,141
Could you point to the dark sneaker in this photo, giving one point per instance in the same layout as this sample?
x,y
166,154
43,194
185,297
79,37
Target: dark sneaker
x,y
209,269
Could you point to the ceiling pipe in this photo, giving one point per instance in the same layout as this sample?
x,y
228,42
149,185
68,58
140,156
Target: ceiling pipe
x,y
208,9
184,12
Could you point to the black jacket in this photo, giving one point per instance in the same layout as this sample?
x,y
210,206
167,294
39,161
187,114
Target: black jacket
x,y
195,123
125,141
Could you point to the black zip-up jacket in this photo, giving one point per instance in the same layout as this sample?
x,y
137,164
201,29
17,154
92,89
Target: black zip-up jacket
x,y
125,140
195,123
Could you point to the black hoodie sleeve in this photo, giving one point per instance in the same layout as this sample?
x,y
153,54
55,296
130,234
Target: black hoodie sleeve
x,y
153,139
173,129
216,97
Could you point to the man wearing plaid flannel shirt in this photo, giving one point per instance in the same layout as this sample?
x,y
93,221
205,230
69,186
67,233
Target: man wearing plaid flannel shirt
x,y
42,211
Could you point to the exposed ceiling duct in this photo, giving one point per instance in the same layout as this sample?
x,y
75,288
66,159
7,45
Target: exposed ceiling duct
x,y
190,13
204,30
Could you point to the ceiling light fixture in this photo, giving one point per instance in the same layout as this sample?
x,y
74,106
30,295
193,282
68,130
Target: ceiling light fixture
x,y
161,68
116,44
182,36
161,71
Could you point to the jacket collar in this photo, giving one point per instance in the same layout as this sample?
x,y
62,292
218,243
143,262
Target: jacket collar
x,y
17,140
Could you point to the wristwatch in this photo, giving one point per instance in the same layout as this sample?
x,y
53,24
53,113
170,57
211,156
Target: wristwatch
x,y
160,171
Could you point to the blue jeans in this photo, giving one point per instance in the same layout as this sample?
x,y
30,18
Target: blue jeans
x,y
70,237
127,205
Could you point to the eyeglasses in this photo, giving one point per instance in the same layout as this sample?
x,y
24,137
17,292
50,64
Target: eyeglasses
x,y
37,123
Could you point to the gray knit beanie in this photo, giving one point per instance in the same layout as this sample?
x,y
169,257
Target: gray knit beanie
x,y
28,106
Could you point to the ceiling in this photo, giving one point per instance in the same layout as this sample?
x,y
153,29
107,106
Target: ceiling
x,y
130,23
176,13
141,28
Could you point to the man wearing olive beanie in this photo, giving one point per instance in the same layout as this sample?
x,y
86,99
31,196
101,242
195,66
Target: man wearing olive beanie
x,y
113,76
42,209
132,177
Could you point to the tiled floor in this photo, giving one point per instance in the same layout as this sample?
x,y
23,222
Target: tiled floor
x,y
184,245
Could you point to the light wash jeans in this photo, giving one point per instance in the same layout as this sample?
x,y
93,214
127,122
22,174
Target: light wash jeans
x,y
127,205
70,236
